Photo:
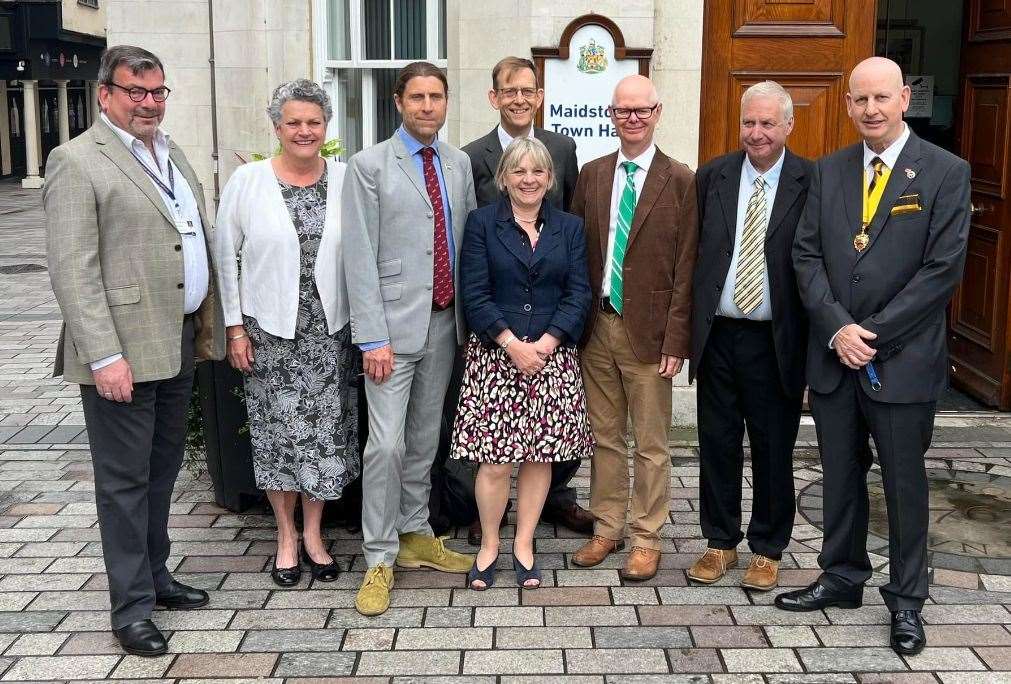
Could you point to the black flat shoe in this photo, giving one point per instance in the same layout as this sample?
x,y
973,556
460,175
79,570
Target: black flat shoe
x,y
818,596
324,572
906,636
178,596
486,576
524,574
141,638
287,577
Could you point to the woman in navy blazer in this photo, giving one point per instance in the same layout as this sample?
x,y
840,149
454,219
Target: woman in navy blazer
x,y
526,295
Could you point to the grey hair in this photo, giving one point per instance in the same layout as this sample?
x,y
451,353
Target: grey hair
x,y
513,155
770,89
301,90
136,59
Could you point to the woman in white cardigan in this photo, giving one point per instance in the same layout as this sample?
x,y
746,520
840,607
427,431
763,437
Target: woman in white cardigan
x,y
277,247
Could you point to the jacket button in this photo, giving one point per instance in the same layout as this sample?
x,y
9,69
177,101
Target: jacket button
x,y
179,248
856,279
709,319
719,288
526,289
730,252
429,214
428,251
179,286
527,307
428,287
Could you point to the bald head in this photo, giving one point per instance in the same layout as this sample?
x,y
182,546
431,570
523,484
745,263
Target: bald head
x,y
635,112
636,86
876,101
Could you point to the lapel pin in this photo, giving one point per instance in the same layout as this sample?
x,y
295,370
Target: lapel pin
x,y
910,174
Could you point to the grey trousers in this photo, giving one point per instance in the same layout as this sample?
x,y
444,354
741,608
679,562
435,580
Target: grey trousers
x,y
404,420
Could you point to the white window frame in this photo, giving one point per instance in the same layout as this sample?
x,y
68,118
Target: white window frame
x,y
326,67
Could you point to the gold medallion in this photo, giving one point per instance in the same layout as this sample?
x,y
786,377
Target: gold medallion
x,y
861,241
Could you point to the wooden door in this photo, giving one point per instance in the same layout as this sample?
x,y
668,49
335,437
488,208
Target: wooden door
x,y
808,46
978,320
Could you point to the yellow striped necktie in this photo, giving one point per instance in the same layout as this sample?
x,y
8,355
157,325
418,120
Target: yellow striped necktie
x,y
749,277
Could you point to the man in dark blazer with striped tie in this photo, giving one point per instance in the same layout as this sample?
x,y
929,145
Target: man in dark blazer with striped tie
x,y
878,254
748,338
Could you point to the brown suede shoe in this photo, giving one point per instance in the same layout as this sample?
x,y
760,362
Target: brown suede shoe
x,y
762,574
712,565
596,550
641,564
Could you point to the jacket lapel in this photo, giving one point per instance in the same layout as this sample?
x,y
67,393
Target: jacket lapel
x,y
409,168
853,189
786,194
507,233
729,190
113,148
551,234
605,184
898,181
449,176
656,179
493,151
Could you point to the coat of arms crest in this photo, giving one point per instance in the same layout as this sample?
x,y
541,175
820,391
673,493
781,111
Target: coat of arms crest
x,y
592,58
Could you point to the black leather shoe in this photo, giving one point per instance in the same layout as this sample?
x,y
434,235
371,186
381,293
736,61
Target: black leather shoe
x,y
141,638
178,596
287,577
574,517
907,637
324,572
818,596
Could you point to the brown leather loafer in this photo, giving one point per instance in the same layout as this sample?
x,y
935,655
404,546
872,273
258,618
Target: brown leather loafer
x,y
574,517
641,564
596,550
762,574
712,565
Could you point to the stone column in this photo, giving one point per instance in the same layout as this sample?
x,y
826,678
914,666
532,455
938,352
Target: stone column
x,y
5,130
91,92
32,178
63,111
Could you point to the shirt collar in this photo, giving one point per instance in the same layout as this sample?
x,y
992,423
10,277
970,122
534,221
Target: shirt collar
x,y
413,145
643,161
771,177
161,140
504,138
891,154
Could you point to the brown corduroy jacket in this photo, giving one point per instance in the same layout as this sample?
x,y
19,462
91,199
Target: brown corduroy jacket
x,y
660,257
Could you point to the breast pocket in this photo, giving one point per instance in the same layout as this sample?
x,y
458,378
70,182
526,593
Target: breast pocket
x,y
390,267
117,296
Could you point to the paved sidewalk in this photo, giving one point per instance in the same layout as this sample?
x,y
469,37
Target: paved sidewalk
x,y
584,625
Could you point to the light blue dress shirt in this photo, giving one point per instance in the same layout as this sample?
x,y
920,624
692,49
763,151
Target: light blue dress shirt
x,y
762,312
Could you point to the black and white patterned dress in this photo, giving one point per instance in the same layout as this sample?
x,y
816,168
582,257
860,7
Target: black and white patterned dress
x,y
303,409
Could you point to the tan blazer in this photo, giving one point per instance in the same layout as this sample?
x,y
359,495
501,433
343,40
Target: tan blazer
x,y
116,263
660,257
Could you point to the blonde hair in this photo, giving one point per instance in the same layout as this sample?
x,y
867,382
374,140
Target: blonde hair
x,y
513,155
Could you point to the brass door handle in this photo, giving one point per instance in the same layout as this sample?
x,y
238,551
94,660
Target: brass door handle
x,y
977,209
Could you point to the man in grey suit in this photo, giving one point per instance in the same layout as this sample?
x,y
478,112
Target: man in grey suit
x,y
405,204
517,96
127,249
878,254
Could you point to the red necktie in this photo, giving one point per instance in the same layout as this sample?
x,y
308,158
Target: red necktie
x,y
442,275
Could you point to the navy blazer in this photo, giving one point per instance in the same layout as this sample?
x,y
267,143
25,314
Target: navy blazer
x,y
504,286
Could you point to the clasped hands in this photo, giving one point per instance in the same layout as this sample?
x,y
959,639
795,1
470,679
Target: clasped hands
x,y
851,346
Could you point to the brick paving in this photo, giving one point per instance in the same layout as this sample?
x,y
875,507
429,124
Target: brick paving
x,y
584,625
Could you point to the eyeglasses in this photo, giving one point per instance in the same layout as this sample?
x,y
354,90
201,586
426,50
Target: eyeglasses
x,y
137,94
511,93
642,113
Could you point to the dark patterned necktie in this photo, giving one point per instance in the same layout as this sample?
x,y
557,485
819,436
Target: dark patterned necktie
x,y
442,274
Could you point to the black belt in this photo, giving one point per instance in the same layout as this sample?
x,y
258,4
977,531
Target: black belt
x,y
742,322
607,307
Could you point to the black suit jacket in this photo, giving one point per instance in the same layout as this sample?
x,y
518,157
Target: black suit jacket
x,y
718,190
899,286
486,151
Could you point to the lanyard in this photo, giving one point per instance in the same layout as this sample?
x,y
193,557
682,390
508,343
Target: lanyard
x,y
169,189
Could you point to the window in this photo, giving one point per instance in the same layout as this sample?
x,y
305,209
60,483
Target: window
x,y
6,36
365,44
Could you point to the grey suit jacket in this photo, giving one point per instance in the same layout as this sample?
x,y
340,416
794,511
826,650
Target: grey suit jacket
x,y
486,151
899,286
115,261
388,238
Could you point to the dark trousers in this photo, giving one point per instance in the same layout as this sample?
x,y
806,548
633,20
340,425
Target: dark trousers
x,y
136,451
739,387
902,433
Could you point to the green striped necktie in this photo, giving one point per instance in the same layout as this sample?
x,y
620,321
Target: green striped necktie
x,y
626,210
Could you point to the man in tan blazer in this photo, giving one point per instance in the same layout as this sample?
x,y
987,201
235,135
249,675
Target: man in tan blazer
x,y
127,250
641,220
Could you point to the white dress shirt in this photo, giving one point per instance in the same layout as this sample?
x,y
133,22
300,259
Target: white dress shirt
x,y
504,138
762,312
196,272
643,161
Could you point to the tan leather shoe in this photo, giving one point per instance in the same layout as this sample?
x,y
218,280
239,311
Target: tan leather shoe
x,y
641,564
596,550
762,574
712,565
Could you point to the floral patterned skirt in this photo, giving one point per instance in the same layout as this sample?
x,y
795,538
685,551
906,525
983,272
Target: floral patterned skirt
x,y
506,417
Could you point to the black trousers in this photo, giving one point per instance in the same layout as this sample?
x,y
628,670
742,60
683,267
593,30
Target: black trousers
x,y
136,451
902,434
739,387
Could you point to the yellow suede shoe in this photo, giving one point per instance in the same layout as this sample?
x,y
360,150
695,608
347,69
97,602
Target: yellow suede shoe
x,y
374,595
420,550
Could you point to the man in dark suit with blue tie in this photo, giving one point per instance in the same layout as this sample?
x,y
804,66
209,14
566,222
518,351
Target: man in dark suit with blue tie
x,y
878,254
748,338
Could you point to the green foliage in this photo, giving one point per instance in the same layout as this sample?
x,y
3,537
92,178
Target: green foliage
x,y
331,148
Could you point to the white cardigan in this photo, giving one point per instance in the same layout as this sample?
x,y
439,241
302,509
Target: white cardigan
x,y
254,229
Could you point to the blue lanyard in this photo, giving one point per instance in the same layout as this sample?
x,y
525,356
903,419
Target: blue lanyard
x,y
169,189
872,375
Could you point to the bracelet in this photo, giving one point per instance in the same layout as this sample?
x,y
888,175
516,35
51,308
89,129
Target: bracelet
x,y
505,345
236,337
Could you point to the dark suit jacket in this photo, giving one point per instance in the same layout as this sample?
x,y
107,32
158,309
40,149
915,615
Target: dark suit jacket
x,y
659,257
899,286
719,188
504,286
486,151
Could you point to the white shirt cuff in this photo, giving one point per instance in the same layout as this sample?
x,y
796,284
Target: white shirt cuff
x,y
831,343
102,363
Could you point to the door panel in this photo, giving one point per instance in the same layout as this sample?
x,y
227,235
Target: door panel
x,y
808,46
